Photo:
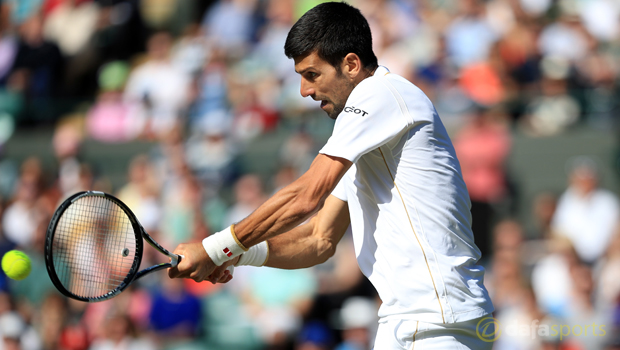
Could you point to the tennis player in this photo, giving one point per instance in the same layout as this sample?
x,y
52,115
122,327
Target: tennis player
x,y
390,171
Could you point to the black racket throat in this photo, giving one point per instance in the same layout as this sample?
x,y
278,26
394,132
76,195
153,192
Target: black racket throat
x,y
94,247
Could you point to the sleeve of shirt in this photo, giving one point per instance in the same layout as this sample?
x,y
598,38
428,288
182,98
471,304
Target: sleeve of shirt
x,y
340,190
371,117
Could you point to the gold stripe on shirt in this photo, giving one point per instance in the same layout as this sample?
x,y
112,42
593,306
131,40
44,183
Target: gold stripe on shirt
x,y
414,334
415,234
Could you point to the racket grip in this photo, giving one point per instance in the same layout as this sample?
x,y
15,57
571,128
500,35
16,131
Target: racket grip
x,y
176,259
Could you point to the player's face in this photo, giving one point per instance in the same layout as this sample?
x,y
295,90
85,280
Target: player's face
x,y
321,81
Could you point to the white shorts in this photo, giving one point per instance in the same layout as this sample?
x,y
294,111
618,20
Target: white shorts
x,y
399,334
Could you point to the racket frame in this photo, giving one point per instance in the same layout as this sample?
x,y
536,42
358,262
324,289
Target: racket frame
x,y
139,232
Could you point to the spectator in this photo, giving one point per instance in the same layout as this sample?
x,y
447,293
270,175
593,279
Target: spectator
x,y
506,281
67,142
508,238
539,233
157,89
535,8
134,303
524,313
276,301
249,195
21,10
298,151
21,216
600,104
608,283
16,334
211,154
8,44
600,18
285,175
230,24
519,53
191,51
469,37
71,24
358,318
554,110
182,210
314,336
267,52
210,108
141,193
52,318
40,61
515,302
543,210
453,104
586,214
110,118
564,39
339,279
581,310
482,147
392,24
121,335
73,335
482,83
551,280
175,314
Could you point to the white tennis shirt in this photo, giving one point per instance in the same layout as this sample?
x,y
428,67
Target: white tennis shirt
x,y
409,207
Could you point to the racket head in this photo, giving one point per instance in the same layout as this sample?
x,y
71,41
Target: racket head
x,y
93,246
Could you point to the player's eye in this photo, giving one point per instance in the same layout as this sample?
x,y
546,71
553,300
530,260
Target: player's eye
x,y
311,75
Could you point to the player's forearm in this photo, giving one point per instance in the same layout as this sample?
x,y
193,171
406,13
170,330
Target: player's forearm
x,y
299,248
288,208
281,213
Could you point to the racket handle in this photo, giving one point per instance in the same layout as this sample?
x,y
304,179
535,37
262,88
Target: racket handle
x,y
176,259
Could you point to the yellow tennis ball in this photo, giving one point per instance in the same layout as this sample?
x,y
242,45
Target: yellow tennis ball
x,y
16,265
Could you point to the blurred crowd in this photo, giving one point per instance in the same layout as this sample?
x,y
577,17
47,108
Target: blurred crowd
x,y
203,80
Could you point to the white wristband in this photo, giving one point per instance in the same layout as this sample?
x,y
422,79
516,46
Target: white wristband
x,y
223,246
255,256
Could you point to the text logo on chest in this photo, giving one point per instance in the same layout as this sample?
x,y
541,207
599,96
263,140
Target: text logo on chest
x,y
355,110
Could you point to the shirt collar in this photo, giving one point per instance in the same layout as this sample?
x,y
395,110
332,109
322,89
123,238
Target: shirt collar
x,y
381,71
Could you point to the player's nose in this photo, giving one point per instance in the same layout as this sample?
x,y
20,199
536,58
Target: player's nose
x,y
306,89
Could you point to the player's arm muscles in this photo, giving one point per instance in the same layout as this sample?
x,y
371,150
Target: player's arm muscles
x,y
311,243
295,203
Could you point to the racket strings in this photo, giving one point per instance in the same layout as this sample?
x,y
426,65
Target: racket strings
x,y
94,247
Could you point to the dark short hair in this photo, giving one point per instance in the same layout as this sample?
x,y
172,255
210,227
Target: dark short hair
x,y
333,30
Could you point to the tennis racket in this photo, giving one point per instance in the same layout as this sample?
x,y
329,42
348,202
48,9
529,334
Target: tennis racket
x,y
94,246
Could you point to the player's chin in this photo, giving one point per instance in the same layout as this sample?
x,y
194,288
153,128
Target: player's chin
x,y
333,113
329,110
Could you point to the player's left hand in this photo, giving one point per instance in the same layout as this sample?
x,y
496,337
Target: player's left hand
x,y
224,273
196,263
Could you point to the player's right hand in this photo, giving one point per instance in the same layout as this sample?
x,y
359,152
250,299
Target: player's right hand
x,y
196,263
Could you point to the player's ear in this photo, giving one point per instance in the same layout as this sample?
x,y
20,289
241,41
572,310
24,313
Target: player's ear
x,y
352,65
